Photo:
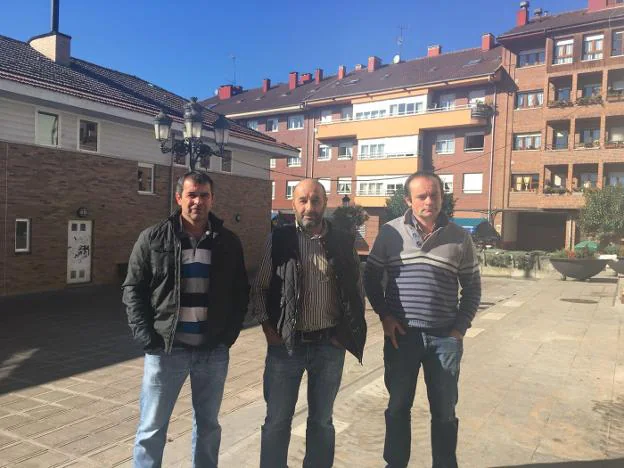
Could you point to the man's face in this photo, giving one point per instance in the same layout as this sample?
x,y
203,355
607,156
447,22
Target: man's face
x,y
196,202
309,203
425,199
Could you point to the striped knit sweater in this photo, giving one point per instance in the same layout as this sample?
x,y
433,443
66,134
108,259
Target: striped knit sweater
x,y
423,278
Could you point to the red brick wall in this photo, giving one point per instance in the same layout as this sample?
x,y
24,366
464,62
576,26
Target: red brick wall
x,y
48,186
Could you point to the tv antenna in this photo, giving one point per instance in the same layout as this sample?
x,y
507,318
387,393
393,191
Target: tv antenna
x,y
400,38
233,57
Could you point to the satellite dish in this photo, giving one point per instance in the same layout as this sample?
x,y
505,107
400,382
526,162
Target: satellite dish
x,y
216,91
396,58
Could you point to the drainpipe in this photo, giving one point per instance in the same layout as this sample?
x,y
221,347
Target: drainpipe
x,y
6,218
492,157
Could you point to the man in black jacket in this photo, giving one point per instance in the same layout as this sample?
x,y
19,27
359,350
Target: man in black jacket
x,y
186,296
309,299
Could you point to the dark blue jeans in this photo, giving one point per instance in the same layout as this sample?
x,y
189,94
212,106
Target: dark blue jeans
x,y
282,378
163,377
440,357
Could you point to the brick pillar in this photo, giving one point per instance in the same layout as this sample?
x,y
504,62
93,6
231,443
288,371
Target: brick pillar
x,y
574,92
573,137
570,176
603,130
600,176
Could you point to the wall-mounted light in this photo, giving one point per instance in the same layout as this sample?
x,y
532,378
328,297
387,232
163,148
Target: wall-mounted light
x,y
237,217
82,212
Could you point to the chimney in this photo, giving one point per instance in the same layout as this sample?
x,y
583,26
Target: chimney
x,y
292,80
318,75
266,85
487,41
227,91
373,63
434,50
55,45
342,71
594,5
305,78
522,17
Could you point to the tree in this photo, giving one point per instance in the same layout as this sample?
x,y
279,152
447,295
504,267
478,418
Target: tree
x,y
349,218
396,206
603,214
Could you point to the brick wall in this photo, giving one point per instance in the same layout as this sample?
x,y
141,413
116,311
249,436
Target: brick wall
x,y
48,185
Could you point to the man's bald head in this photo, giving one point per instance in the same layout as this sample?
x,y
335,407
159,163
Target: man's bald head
x,y
309,202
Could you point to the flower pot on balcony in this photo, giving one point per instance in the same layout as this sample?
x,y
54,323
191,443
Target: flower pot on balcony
x,y
578,268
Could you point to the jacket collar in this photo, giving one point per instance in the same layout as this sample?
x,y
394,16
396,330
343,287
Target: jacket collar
x,y
442,220
215,223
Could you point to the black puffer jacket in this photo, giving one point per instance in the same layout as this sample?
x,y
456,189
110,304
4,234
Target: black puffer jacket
x,y
151,291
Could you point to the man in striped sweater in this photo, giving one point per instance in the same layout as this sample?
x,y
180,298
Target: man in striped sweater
x,y
425,258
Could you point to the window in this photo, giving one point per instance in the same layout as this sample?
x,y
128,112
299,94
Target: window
x,y
392,188
145,178
372,151
22,235
294,161
370,188
593,46
447,181
226,161
47,129
474,141
324,153
344,185
476,97
346,113
616,134
271,125
590,136
326,183
560,139
564,50
524,182
530,58
361,232
617,43
273,190
527,141
272,162
591,90
445,144
406,108
326,115
528,99
345,150
295,122
588,179
253,124
563,94
87,135
290,188
473,183
447,101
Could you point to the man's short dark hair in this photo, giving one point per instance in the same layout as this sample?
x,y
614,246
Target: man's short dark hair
x,y
199,178
425,175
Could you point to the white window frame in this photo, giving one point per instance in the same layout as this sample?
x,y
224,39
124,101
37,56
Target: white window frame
x,y
445,137
27,248
447,182
619,52
346,113
537,52
568,58
147,166
349,150
272,190
97,143
290,184
58,127
294,121
274,125
447,101
346,183
526,135
326,115
252,124
527,95
294,161
464,180
326,183
326,157
272,163
595,54
473,150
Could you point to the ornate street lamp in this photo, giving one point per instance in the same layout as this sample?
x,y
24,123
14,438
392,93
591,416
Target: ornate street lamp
x,y
192,143
345,201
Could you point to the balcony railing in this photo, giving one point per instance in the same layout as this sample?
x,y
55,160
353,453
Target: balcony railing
x,y
589,100
560,103
615,95
587,145
556,147
614,145
554,190
366,157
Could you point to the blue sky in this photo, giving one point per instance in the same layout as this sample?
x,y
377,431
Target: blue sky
x,y
186,45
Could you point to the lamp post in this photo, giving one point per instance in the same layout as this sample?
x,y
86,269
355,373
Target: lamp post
x,y
192,143
345,201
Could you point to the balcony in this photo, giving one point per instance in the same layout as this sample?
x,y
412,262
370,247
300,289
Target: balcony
x,y
589,100
615,95
614,145
408,124
560,103
589,145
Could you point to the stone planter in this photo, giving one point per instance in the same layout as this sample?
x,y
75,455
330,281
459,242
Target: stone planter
x,y
617,266
578,268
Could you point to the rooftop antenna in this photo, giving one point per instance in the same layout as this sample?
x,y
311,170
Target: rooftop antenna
x,y
55,16
233,57
400,39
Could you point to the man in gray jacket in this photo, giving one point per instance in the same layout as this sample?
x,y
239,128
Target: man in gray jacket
x,y
186,295
426,258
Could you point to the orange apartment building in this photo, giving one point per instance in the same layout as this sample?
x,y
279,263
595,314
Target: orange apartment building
x,y
563,130
361,133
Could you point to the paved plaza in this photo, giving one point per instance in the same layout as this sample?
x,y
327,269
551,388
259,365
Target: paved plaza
x,y
542,385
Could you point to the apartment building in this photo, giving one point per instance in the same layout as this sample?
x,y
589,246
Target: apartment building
x,y
362,132
563,131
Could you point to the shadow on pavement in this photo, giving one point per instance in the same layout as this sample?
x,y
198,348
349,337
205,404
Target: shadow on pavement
x,y
50,336
615,463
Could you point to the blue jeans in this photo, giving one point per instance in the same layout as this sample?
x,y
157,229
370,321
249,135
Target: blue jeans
x,y
440,357
163,377
282,378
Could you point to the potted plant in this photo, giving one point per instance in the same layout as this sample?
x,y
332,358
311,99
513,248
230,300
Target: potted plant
x,y
579,264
